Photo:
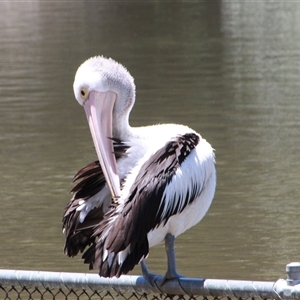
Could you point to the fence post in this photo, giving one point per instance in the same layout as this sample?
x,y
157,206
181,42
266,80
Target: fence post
x,y
293,273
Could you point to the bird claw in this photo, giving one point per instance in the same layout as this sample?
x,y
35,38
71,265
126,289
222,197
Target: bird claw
x,y
150,277
169,276
155,280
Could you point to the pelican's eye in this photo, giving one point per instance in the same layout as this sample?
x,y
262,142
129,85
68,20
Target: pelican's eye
x,y
84,93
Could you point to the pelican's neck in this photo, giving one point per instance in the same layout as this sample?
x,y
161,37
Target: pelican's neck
x,y
121,128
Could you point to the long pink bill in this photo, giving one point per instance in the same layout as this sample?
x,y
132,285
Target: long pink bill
x,y
98,108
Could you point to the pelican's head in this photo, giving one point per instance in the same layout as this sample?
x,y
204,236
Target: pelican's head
x,y
106,90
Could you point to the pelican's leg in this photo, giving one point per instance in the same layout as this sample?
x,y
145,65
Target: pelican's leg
x,y
150,277
170,250
171,261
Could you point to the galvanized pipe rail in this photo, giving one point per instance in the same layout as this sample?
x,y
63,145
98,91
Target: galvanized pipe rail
x,y
281,289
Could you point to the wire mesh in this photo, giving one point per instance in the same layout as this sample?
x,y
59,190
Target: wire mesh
x,y
30,292
24,293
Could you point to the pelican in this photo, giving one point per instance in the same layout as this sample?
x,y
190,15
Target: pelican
x,y
149,184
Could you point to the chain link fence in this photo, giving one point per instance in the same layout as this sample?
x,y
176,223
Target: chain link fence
x,y
23,285
25,292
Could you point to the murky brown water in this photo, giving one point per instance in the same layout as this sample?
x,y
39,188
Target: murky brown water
x,y
230,70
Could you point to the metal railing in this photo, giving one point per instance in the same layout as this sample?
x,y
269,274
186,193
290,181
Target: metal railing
x,y
24,285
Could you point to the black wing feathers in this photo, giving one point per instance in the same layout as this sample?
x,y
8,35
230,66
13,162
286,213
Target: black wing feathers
x,y
109,268
142,211
91,181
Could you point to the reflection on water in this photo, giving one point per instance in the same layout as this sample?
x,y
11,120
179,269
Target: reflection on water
x,y
229,70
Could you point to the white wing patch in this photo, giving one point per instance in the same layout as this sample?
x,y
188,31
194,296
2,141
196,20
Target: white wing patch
x,y
188,181
102,198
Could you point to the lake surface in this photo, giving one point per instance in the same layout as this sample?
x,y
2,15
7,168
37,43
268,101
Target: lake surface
x,y
230,70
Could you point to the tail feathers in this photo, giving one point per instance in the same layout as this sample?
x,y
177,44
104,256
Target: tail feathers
x,y
112,264
78,234
78,242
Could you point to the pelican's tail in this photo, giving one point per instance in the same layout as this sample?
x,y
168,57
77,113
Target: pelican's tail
x,y
86,211
80,235
112,264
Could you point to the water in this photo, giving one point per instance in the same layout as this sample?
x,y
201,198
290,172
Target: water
x,y
230,70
